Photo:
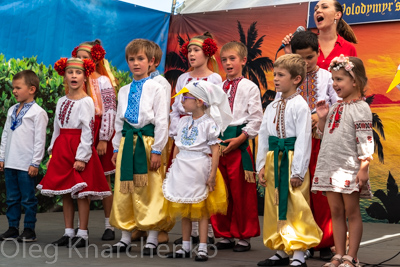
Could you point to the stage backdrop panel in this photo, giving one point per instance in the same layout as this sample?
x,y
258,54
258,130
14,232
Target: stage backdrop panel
x,y
377,47
50,29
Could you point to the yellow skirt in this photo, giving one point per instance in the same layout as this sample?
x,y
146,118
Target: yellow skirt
x,y
215,203
142,209
300,232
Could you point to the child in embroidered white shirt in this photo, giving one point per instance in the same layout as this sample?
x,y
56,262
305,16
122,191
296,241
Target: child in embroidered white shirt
x,y
21,151
192,178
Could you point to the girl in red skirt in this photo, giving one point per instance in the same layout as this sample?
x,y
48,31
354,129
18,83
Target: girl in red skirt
x,y
74,169
102,92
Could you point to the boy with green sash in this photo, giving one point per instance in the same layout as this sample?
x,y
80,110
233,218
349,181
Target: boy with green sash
x,y
141,132
284,149
235,163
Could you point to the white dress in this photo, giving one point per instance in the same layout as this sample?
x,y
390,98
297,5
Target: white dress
x,y
186,178
177,108
347,139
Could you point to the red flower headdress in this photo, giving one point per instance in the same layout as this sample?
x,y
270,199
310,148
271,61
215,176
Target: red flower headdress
x,y
87,65
208,45
96,51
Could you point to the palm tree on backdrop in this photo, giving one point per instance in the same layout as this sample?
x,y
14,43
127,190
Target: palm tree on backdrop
x,y
377,128
256,66
176,63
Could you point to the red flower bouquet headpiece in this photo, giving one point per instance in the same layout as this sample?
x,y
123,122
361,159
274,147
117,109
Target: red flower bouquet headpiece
x,y
96,51
87,65
208,45
60,66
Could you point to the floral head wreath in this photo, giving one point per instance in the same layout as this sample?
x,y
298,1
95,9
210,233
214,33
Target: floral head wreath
x,y
87,65
96,51
342,62
208,45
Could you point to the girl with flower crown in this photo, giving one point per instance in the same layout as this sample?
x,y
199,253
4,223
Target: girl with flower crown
x,y
74,168
342,170
103,94
200,52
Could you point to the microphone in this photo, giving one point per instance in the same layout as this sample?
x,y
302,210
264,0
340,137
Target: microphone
x,y
299,29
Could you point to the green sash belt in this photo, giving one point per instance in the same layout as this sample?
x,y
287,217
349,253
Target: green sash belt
x,y
281,174
233,132
134,161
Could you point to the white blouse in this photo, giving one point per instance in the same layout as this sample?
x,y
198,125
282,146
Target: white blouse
x,y
295,121
167,86
152,109
247,108
109,108
25,145
197,135
177,108
75,114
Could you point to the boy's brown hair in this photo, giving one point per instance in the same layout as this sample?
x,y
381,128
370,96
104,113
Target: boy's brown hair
x,y
294,64
138,45
239,47
30,78
157,54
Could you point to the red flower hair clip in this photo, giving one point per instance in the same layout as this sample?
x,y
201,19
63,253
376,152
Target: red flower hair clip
x,y
184,49
60,66
89,66
209,47
96,51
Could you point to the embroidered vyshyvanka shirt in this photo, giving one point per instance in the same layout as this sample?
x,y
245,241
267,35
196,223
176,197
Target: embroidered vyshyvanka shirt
x,y
140,103
246,107
76,114
317,86
24,137
286,118
177,108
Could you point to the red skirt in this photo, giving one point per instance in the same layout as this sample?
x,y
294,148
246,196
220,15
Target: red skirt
x,y
61,178
105,160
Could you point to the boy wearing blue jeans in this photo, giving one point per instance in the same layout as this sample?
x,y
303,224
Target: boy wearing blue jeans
x,y
21,151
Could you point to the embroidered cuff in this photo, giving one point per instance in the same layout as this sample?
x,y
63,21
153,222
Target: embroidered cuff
x,y
35,165
297,176
366,157
155,152
1,160
246,134
214,142
115,151
83,160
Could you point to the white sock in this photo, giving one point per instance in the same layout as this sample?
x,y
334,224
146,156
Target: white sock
x,y
195,229
186,246
226,240
280,253
153,239
210,232
297,255
126,237
79,223
69,232
83,234
244,242
202,249
107,224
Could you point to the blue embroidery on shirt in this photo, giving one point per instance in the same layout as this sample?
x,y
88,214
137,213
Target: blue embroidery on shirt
x,y
16,121
135,92
188,140
154,74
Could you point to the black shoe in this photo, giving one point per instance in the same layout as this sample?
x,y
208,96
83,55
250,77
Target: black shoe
x,y
63,241
221,246
108,235
149,251
201,257
241,248
194,239
78,242
211,240
303,264
309,253
280,262
325,254
10,234
118,249
28,235
174,255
